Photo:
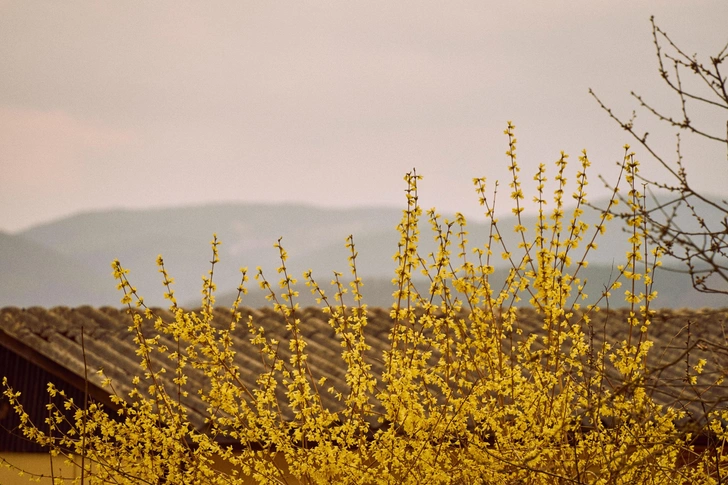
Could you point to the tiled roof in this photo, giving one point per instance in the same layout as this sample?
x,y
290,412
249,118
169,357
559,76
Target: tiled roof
x,y
51,338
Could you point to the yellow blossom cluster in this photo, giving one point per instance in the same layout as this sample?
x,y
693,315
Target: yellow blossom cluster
x,y
465,396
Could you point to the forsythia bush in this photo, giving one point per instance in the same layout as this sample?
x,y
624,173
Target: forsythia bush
x,y
465,397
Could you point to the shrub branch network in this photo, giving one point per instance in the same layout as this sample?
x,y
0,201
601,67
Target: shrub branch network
x,y
465,397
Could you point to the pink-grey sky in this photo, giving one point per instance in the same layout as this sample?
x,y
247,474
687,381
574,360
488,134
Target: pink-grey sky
x,y
147,104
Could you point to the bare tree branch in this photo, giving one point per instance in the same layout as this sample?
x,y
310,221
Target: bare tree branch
x,y
703,249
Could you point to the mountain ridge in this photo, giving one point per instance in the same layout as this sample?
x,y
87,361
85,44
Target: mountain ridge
x,y
314,237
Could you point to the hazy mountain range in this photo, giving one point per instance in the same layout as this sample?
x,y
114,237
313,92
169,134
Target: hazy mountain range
x,y
67,262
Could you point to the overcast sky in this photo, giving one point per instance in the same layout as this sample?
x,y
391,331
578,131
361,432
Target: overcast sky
x,y
148,104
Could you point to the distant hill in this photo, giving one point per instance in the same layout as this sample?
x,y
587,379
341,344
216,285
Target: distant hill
x,y
182,235
32,274
674,291
68,261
